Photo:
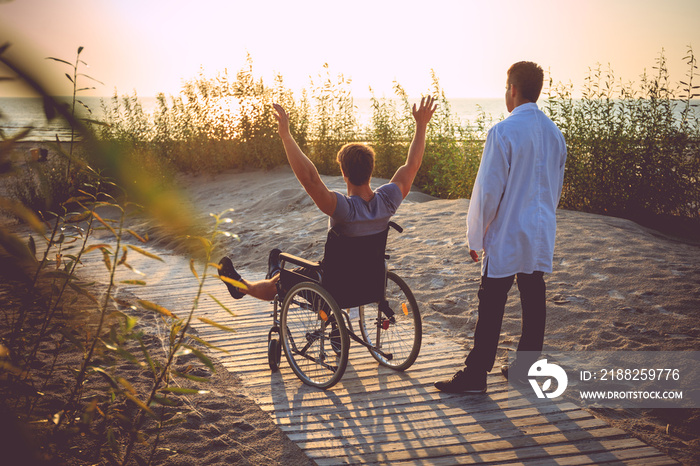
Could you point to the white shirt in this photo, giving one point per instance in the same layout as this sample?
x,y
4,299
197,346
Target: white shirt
x,y
512,211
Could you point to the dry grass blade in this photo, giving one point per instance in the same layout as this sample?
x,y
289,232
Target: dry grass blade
x,y
156,308
222,305
146,253
216,324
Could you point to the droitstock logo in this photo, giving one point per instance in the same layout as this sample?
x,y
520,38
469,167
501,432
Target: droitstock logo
x,y
544,370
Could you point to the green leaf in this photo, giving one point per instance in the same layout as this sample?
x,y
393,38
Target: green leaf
x,y
156,308
125,383
58,274
183,391
134,282
124,254
99,219
90,77
79,217
95,122
105,375
161,400
233,282
139,403
136,235
147,355
191,377
202,357
208,345
216,324
146,253
96,246
59,60
106,259
82,291
32,245
194,272
113,445
222,305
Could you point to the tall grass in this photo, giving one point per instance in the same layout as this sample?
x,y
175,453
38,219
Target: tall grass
x,y
631,152
633,147
227,122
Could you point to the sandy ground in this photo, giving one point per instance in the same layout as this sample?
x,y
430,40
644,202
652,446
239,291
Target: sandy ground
x,y
616,285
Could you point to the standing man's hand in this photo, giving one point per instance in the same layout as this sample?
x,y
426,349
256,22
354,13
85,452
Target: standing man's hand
x,y
474,254
282,120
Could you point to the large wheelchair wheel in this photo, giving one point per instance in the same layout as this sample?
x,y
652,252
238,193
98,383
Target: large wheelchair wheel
x,y
314,336
398,336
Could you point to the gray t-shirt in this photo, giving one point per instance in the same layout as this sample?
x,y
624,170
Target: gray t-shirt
x,y
354,216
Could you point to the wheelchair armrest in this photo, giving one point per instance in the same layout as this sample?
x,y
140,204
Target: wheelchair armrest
x,y
285,257
396,226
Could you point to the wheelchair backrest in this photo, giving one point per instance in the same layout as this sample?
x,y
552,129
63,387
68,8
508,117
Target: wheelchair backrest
x,y
354,271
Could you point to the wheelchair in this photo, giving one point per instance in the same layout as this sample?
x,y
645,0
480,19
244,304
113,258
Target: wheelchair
x,y
318,301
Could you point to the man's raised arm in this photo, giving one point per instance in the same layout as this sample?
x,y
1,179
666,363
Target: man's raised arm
x,y
406,173
303,168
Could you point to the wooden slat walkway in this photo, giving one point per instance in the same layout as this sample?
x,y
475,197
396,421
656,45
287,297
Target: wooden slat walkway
x,y
376,415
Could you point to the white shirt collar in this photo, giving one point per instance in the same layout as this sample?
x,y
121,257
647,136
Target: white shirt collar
x,y
524,107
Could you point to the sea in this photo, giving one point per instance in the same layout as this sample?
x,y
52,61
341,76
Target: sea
x,y
18,113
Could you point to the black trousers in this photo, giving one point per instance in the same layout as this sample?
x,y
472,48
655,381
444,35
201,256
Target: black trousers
x,y
493,294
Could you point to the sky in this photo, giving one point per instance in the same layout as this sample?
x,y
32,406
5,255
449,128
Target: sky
x,y
152,46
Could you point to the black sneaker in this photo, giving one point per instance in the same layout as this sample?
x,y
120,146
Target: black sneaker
x,y
514,374
273,263
463,382
227,270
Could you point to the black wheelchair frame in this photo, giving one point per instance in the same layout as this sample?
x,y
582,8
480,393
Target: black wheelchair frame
x,y
315,329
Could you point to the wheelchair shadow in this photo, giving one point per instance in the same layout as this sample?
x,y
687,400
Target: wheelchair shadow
x,y
383,416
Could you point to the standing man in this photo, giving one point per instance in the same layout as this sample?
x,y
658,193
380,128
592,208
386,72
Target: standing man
x,y
512,218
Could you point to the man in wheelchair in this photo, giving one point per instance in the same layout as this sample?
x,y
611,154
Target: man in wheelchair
x,y
362,213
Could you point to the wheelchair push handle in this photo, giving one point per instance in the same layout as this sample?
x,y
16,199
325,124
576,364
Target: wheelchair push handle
x,y
396,226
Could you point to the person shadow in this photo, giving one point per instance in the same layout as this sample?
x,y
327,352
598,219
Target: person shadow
x,y
377,415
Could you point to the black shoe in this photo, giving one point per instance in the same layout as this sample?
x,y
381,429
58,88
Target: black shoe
x,y
514,374
463,382
227,270
273,263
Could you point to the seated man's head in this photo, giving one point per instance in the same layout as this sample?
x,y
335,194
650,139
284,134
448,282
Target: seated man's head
x,y
356,162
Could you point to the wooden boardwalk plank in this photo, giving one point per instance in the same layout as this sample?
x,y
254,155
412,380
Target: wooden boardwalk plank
x,y
376,415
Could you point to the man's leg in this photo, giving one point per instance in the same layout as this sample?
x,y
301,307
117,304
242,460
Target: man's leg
x,y
493,294
532,298
263,289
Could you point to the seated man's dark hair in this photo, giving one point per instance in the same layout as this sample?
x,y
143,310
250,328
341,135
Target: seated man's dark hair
x,y
357,162
527,78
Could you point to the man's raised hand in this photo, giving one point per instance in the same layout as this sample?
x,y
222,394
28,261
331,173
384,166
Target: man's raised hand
x,y
282,119
425,111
